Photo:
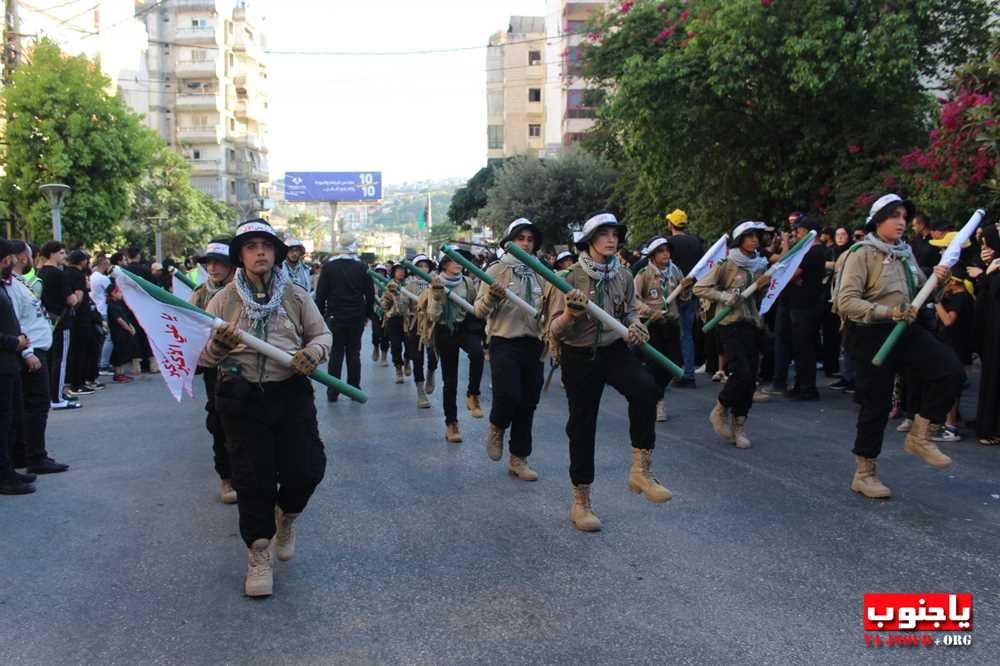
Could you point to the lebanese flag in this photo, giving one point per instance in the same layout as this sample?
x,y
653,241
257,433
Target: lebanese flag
x,y
177,331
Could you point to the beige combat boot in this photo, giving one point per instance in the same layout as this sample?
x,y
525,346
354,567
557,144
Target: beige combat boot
x,y
429,383
385,358
494,443
136,366
918,442
641,479
661,411
226,492
260,570
740,438
284,537
399,374
452,434
519,467
719,418
422,401
866,482
472,403
581,514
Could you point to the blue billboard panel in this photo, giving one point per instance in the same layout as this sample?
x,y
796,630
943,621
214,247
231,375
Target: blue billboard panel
x,y
333,186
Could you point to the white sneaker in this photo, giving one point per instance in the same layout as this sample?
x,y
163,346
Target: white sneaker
x,y
904,425
719,376
661,411
943,435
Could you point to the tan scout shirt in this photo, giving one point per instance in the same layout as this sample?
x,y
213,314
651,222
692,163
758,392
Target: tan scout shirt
x,y
651,290
398,304
303,327
725,276
201,296
620,302
873,283
436,309
503,318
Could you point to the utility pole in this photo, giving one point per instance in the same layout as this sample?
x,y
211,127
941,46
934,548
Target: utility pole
x,y
10,58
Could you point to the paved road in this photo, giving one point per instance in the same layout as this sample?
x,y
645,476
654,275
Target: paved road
x,y
419,552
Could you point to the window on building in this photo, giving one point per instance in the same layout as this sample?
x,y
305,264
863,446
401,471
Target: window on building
x,y
232,155
199,55
576,27
494,134
534,57
494,101
196,155
232,125
199,23
534,131
232,187
534,94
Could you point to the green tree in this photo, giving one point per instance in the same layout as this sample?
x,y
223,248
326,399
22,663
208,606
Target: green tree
x,y
748,108
165,199
64,127
467,201
556,194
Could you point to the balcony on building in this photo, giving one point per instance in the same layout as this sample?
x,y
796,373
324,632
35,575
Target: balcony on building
x,y
249,108
204,34
248,140
201,167
195,5
199,68
198,134
199,101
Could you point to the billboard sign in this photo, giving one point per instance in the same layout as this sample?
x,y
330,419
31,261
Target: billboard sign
x,y
333,186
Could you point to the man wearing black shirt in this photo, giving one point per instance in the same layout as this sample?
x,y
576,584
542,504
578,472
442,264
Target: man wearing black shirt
x,y
685,251
59,302
84,345
345,294
12,343
804,300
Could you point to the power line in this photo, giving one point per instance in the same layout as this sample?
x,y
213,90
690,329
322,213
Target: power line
x,y
138,14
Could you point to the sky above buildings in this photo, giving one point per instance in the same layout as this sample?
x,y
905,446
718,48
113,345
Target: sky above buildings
x,y
414,116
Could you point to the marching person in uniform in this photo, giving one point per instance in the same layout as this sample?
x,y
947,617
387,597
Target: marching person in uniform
x,y
416,285
396,307
879,280
380,342
267,410
516,349
592,356
220,273
450,334
741,334
657,280
565,260
297,269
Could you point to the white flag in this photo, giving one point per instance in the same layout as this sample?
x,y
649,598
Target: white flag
x,y
179,289
950,256
715,254
783,272
176,335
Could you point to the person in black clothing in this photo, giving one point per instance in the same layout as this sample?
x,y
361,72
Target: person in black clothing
x,y
345,294
59,302
805,305
685,251
12,343
927,256
84,345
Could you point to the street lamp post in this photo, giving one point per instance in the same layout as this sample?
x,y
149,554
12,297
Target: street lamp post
x,y
55,194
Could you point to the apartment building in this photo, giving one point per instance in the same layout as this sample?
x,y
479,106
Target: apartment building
x,y
515,88
208,96
106,32
567,116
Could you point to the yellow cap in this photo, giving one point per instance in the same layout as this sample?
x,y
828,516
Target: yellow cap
x,y
947,239
678,218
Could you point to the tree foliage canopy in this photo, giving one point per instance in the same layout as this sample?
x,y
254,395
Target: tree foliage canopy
x,y
748,108
65,128
557,194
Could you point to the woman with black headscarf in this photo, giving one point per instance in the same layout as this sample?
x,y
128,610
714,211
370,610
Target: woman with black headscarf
x,y
987,336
